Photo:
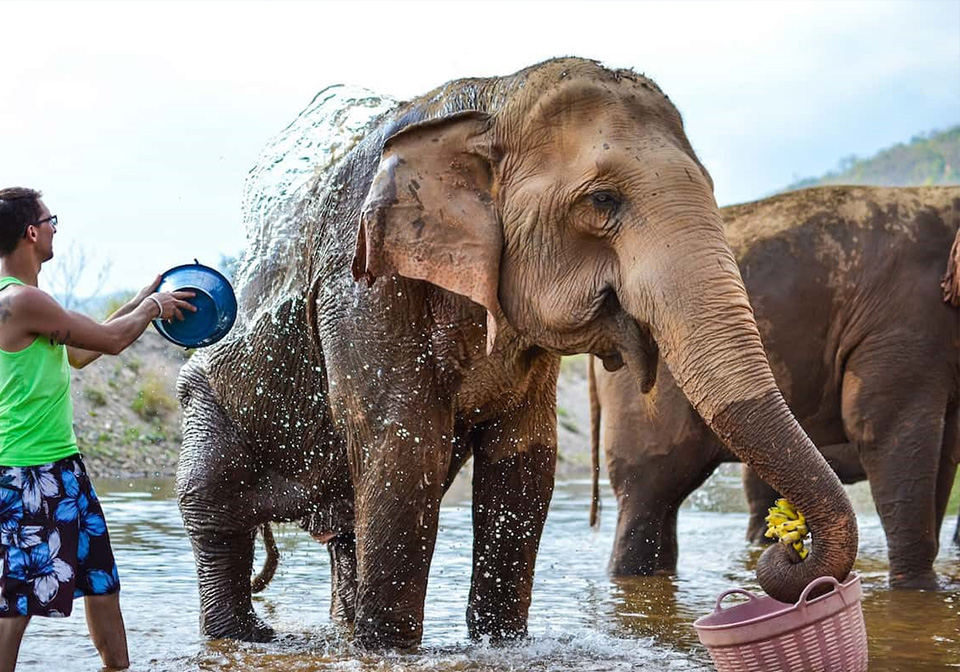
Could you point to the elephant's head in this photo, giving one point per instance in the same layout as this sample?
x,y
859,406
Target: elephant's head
x,y
579,213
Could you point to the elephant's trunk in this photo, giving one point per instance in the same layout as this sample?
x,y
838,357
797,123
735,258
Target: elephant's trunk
x,y
701,318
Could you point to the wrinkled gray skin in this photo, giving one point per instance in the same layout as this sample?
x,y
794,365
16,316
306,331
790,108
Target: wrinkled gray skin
x,y
863,341
496,225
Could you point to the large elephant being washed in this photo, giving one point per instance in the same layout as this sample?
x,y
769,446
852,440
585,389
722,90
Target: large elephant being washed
x,y
862,335
495,224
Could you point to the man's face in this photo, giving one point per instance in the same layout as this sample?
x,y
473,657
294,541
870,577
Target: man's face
x,y
45,233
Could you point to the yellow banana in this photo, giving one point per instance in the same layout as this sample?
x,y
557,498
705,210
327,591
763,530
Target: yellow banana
x,y
786,506
787,525
792,526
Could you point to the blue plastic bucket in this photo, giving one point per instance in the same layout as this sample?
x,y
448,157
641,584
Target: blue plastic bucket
x,y
215,301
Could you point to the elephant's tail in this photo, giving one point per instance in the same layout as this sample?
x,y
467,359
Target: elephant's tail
x,y
594,444
950,283
262,580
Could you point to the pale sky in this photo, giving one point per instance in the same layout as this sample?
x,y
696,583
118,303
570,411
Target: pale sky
x,y
139,121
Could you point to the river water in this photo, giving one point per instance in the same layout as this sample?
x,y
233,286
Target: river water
x,y
580,619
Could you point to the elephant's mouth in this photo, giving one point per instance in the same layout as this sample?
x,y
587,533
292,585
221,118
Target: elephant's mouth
x,y
638,350
605,312
632,345
616,338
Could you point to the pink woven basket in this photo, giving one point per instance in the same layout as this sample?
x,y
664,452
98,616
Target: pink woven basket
x,y
764,635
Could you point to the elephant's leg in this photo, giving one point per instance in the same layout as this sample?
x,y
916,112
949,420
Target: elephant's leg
x,y
212,463
949,457
895,415
222,535
221,521
224,563
396,533
462,451
905,502
650,487
397,509
510,501
760,497
223,499
343,575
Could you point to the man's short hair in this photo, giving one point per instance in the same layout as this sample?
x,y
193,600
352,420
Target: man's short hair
x,y
19,208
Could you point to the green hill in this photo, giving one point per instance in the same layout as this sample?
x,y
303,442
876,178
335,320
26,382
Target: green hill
x,y
929,158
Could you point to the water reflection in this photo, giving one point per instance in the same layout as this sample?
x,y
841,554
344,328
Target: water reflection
x,y
580,619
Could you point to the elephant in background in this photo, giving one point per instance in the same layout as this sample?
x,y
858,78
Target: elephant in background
x,y
497,224
862,336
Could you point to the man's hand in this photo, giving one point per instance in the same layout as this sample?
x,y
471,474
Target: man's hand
x,y
171,304
146,291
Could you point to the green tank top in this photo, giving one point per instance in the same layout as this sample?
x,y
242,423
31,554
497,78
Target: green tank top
x,y
36,412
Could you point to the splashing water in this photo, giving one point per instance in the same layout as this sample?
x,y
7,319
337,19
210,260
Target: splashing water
x,y
321,135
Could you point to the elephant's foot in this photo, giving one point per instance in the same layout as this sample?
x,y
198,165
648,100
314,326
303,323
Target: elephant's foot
x,y
224,566
343,579
494,627
644,546
379,636
249,628
914,580
643,565
387,623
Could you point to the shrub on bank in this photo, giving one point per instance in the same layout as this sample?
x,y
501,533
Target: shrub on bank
x,y
152,400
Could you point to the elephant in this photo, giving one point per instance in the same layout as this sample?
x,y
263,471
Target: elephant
x,y
435,273
862,335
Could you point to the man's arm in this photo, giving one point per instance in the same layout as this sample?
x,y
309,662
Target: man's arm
x,y
36,312
79,357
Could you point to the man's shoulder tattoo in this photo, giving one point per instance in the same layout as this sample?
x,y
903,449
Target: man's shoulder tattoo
x,y
5,312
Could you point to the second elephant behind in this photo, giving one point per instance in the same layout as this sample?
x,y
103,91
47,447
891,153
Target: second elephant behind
x,y
861,328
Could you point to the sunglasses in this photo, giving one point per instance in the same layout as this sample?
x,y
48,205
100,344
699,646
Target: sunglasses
x,y
52,219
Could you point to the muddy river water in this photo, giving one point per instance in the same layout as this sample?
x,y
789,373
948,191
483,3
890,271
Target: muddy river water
x,y
579,620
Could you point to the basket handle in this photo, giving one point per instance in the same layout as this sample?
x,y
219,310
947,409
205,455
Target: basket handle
x,y
818,582
733,591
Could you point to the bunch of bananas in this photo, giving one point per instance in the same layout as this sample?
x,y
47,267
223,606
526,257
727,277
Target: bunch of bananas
x,y
788,526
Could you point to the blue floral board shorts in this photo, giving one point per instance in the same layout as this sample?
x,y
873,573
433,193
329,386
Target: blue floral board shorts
x,y
53,540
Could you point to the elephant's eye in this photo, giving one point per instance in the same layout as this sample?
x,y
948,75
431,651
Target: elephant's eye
x,y
605,200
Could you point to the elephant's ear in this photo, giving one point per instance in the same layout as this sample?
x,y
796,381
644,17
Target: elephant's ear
x,y
950,282
430,215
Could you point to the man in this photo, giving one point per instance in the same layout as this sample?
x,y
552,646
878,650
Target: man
x,y
53,538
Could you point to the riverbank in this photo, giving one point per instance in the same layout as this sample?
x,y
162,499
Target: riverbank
x,y
125,410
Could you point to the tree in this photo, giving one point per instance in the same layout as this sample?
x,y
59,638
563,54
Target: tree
x,y
68,269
